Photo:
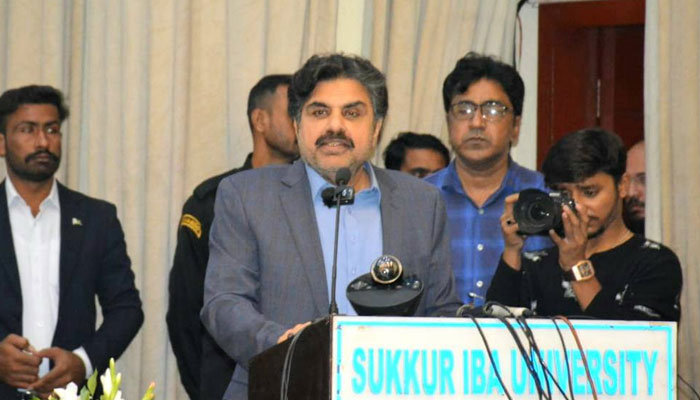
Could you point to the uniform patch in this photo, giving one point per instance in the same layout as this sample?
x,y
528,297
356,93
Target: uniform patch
x,y
649,244
191,222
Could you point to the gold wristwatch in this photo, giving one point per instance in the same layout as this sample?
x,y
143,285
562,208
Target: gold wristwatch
x,y
582,271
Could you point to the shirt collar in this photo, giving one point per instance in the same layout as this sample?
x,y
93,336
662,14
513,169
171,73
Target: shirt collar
x,y
14,198
317,182
451,179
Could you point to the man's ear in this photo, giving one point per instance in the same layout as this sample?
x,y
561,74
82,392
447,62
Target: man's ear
x,y
623,187
295,126
376,135
515,136
2,144
259,120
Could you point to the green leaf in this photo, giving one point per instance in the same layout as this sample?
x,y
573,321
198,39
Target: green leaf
x,y
85,393
113,378
91,384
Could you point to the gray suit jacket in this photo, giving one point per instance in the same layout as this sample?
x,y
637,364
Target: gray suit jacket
x,y
266,270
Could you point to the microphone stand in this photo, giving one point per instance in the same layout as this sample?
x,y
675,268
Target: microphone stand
x,y
333,309
341,180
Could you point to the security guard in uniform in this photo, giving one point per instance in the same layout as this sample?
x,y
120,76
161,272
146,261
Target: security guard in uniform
x,y
205,369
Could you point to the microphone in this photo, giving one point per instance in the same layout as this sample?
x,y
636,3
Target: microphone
x,y
339,195
342,177
346,194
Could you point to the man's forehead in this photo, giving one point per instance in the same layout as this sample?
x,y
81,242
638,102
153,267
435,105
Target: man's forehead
x,y
36,108
339,92
282,89
35,112
635,158
484,86
279,95
597,179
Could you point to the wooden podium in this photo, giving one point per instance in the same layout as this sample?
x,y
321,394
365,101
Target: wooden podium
x,y
310,366
445,358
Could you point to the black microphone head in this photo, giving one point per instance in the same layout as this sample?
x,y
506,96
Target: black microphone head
x,y
342,177
328,195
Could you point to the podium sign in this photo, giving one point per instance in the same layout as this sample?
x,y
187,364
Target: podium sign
x,y
440,358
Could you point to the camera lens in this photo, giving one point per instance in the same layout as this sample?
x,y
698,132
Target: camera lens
x,y
534,212
539,212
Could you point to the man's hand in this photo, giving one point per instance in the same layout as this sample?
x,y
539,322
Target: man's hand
x,y
68,367
18,366
291,332
572,247
513,242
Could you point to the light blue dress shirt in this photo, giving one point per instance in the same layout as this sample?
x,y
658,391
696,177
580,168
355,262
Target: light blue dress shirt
x,y
360,234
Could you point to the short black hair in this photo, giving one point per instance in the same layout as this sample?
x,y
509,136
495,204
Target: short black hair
x,y
582,154
395,152
262,90
12,99
474,67
328,67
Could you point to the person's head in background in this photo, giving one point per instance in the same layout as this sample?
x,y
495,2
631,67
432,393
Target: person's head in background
x,y
274,141
30,132
635,201
483,100
590,166
416,154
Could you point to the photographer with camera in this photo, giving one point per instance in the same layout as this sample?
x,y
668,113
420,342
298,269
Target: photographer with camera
x,y
598,268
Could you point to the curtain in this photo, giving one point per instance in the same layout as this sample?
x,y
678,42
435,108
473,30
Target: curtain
x,y
417,43
672,124
158,90
158,93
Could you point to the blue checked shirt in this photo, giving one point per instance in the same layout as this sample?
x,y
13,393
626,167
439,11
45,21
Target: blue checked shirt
x,y
476,239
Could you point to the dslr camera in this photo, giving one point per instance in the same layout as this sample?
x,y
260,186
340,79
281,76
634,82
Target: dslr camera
x,y
536,212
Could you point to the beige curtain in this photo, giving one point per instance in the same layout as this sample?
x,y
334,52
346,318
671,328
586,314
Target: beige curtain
x,y
158,91
417,43
672,123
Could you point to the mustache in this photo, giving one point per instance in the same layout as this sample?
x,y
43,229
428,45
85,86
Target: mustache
x,y
475,132
633,201
334,136
52,156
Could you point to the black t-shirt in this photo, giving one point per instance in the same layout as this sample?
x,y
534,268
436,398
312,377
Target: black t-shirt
x,y
640,279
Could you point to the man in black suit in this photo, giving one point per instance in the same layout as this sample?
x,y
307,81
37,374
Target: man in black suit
x,y
58,250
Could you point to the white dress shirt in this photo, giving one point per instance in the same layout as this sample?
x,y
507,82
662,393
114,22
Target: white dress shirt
x,y
37,244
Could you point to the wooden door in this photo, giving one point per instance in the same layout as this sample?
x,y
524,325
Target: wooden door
x,y
590,69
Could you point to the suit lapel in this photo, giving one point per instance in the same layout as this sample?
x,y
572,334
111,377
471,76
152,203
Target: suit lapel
x,y
392,218
295,197
8,260
72,233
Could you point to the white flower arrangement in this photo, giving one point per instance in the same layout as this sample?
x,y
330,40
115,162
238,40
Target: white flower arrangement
x,y
110,388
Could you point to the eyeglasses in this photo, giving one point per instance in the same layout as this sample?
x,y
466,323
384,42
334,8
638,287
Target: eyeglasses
x,y
639,179
491,110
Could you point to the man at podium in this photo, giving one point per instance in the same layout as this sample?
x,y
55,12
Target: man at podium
x,y
272,240
598,268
